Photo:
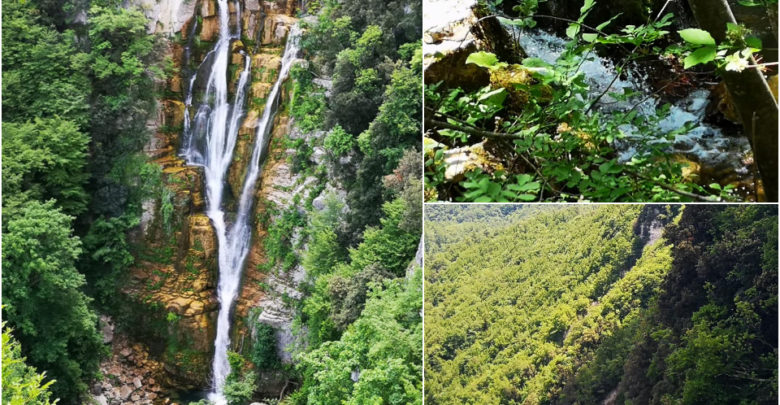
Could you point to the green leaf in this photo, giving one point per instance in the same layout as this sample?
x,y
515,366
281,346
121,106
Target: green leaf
x,y
573,30
535,62
483,59
702,55
510,21
527,197
587,6
754,42
494,98
473,195
590,37
696,36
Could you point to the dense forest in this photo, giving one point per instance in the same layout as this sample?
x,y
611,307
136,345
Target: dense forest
x,y
83,86
612,304
600,100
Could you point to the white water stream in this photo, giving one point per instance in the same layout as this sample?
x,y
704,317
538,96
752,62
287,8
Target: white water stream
x,y
705,144
209,141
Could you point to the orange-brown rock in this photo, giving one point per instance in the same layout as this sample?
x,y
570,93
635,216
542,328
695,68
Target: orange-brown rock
x,y
210,29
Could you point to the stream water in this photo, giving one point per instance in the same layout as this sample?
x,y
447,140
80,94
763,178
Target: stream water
x,y
704,143
209,140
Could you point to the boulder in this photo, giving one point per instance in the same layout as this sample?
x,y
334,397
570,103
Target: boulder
x,y
125,391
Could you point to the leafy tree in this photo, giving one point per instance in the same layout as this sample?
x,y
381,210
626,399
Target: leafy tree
x,y
43,71
45,159
239,385
584,305
43,298
395,128
388,245
264,347
108,259
377,360
122,70
339,142
22,385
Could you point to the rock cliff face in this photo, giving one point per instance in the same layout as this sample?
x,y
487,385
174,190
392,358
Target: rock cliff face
x,y
171,293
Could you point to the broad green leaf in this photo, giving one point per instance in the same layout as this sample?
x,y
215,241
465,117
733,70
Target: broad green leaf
x,y
754,42
589,37
482,59
527,197
573,30
494,98
702,55
696,36
535,62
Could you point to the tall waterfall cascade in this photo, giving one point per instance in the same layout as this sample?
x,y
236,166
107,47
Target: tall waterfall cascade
x,y
208,141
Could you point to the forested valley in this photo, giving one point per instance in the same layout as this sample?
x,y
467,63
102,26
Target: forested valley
x,y
211,201
606,304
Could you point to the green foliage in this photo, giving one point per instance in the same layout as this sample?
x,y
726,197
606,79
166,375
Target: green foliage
x,y
324,251
122,69
710,338
308,102
484,59
239,385
43,299
395,128
43,71
108,260
565,147
278,242
371,118
303,151
389,245
42,160
22,385
172,318
264,347
381,350
338,142
581,306
67,96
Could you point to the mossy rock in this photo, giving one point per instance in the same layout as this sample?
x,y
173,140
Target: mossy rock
x,y
520,84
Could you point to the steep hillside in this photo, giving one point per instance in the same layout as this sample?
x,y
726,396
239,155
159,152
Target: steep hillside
x,y
602,304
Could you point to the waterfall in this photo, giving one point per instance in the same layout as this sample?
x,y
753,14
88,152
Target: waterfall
x,y
209,140
706,143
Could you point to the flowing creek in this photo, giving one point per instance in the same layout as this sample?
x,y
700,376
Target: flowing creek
x,y
707,145
208,141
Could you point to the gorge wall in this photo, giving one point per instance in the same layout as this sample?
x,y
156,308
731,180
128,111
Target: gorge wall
x,y
166,335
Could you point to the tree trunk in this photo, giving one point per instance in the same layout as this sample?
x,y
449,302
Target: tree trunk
x,y
750,93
